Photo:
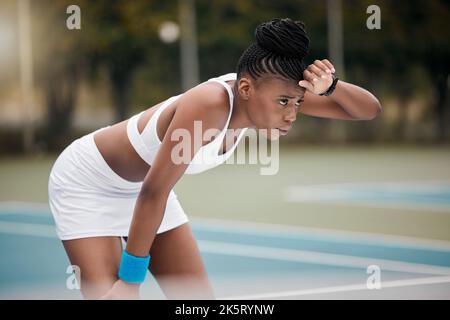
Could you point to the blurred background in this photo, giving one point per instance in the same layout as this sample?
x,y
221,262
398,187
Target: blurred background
x,y
57,83
70,67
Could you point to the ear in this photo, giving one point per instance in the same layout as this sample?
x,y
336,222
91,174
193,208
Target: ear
x,y
244,87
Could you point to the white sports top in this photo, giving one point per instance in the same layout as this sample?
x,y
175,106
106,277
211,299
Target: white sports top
x,y
207,157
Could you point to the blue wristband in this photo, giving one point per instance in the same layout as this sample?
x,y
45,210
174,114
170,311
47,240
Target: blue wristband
x,y
133,269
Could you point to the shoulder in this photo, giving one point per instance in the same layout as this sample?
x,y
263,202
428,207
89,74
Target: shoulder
x,y
208,101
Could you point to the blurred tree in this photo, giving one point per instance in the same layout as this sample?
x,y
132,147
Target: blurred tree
x,y
117,34
121,35
412,35
57,62
433,42
226,29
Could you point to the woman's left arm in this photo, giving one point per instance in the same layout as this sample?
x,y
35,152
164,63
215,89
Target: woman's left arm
x,y
347,102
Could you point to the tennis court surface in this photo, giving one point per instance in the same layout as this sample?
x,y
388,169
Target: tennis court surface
x,y
245,260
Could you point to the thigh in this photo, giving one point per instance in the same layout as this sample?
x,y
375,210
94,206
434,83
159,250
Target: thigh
x,y
177,265
98,259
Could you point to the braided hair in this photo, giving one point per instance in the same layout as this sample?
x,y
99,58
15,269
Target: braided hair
x,y
281,45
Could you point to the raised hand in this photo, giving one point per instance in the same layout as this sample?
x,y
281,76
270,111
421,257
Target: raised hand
x,y
318,76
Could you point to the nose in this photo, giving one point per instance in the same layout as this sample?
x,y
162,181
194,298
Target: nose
x,y
291,116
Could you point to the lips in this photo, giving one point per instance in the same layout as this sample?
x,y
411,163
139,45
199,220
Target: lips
x,y
283,131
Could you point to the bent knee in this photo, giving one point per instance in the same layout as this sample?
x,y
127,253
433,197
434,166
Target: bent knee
x,y
95,289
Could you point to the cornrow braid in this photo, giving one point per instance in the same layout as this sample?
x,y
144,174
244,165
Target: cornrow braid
x,y
281,45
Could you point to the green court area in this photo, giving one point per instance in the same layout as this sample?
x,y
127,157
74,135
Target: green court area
x,y
406,189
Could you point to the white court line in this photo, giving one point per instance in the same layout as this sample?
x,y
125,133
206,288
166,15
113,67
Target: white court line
x,y
342,194
304,256
283,231
28,229
262,252
347,288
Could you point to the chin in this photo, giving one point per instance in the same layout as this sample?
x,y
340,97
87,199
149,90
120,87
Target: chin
x,y
271,134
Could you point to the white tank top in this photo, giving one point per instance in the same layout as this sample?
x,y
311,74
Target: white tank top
x,y
207,157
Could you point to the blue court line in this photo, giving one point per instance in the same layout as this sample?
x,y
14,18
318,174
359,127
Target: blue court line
x,y
303,242
294,241
26,217
441,199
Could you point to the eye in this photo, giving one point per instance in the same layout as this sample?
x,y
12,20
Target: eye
x,y
284,102
298,103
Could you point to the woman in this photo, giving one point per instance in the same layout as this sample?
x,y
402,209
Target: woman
x,y
117,182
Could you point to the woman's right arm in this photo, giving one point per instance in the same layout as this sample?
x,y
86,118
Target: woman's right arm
x,y
206,103
203,103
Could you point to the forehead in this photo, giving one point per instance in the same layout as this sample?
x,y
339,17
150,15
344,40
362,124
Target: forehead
x,y
276,85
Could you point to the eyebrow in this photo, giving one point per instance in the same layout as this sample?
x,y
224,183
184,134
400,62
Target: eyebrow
x,y
284,96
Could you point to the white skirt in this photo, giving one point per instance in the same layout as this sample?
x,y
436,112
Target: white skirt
x,y
88,199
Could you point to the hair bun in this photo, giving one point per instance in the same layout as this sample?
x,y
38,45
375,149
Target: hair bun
x,y
284,37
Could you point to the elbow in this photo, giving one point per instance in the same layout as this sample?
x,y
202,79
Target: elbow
x,y
373,111
376,107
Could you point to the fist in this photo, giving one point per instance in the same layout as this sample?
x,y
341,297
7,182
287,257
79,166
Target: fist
x,y
122,291
318,76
